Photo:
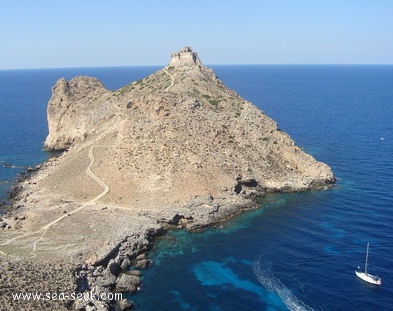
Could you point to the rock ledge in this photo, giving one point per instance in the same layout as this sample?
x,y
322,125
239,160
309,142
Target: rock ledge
x,y
176,149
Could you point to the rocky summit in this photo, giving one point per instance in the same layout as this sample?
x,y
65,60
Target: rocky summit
x,y
176,148
174,135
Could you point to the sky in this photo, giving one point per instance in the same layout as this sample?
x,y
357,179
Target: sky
x,y
97,33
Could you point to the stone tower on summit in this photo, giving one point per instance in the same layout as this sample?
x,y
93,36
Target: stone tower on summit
x,y
185,57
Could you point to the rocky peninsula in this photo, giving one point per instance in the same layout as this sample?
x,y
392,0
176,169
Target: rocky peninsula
x,y
176,149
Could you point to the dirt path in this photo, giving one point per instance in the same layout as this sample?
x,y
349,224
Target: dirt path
x,y
43,230
172,78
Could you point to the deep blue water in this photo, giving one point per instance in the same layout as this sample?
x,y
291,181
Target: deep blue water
x,y
298,251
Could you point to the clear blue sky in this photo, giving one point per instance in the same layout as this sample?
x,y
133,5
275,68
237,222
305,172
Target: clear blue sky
x,y
75,33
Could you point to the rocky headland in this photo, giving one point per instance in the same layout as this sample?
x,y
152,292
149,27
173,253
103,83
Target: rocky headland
x,y
176,149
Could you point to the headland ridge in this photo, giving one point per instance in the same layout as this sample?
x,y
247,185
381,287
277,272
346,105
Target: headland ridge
x,y
176,149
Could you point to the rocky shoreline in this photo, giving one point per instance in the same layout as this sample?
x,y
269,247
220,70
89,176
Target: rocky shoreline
x,y
117,272
177,149
116,268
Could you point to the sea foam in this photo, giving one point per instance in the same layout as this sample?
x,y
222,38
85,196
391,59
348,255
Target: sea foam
x,y
266,278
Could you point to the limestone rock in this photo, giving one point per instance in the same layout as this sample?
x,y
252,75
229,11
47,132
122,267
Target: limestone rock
x,y
71,113
125,263
176,148
134,272
107,279
142,264
177,133
125,305
127,283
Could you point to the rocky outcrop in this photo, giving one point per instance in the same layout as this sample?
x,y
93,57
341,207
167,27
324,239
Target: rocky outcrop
x,y
72,111
177,149
35,276
177,133
127,283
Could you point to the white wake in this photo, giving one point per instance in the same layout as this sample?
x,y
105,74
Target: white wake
x,y
265,276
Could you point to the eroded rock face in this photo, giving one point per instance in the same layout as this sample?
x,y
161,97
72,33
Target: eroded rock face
x,y
175,149
71,113
177,133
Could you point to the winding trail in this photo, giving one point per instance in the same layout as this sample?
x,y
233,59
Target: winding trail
x,y
105,187
172,78
94,176
93,201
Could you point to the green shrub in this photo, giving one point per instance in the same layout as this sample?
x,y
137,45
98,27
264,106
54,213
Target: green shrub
x,y
214,102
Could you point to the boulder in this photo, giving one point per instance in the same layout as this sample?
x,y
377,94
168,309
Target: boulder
x,y
125,264
142,264
124,305
114,267
127,283
134,272
107,279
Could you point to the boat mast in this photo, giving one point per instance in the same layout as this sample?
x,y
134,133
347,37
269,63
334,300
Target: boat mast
x,y
365,265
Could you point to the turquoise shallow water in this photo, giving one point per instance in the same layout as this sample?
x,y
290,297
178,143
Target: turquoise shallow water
x,y
298,251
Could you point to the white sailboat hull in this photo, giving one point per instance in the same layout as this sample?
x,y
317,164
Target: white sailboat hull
x,y
369,278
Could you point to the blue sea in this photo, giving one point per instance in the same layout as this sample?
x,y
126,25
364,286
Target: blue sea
x,y
297,251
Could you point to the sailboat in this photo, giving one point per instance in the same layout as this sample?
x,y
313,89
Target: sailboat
x,y
365,276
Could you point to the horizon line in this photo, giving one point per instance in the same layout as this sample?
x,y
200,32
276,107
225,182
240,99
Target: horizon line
x,y
207,65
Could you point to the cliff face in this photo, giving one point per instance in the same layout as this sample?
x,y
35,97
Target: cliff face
x,y
175,148
174,135
73,110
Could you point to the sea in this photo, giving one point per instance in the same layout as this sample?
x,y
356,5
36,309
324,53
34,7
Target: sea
x,y
296,251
